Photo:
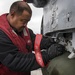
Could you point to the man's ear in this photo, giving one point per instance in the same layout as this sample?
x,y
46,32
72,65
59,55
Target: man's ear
x,y
12,13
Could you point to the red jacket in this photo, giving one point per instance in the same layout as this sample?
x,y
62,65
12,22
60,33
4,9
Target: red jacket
x,y
19,42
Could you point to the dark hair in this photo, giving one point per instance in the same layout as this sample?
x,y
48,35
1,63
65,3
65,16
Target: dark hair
x,y
19,6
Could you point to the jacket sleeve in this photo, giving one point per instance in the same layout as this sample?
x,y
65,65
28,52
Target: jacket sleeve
x,y
15,60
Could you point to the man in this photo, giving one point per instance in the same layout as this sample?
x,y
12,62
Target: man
x,y
17,43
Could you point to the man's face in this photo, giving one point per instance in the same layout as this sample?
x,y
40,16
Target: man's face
x,y
20,21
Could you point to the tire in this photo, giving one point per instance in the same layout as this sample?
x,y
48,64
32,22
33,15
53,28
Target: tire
x,y
39,3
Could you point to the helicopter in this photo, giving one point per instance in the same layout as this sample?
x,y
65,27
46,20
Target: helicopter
x,y
58,22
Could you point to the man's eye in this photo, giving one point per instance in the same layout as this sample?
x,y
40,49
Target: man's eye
x,y
24,20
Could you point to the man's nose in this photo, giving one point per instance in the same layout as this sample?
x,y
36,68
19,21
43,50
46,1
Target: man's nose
x,y
25,24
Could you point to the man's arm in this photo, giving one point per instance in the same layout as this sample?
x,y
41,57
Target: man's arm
x,y
45,43
15,60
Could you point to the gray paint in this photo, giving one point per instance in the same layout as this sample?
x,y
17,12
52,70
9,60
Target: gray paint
x,y
59,15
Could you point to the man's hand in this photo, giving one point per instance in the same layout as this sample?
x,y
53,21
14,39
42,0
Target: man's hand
x,y
55,50
46,42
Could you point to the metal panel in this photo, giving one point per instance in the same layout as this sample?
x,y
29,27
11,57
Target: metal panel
x,y
59,15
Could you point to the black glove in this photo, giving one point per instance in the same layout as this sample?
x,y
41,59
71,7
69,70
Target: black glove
x,y
55,50
46,42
